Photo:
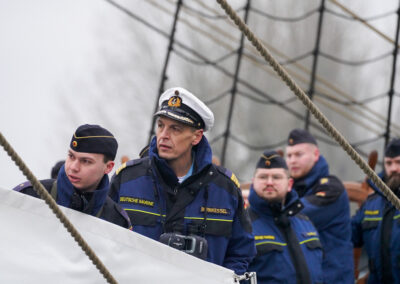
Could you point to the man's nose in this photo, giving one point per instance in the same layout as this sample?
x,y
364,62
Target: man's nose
x,y
75,165
394,168
164,133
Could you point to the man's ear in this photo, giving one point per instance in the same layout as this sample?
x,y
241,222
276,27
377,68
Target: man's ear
x,y
109,167
316,154
198,134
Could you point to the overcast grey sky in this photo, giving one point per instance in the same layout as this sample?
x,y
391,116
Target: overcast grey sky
x,y
50,55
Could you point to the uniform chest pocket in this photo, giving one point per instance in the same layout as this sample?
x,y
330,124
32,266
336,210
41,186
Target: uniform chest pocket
x,y
267,247
142,218
313,244
369,224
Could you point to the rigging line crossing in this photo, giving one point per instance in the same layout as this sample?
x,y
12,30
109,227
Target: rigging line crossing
x,y
360,102
221,69
234,86
285,19
367,19
309,104
356,63
42,192
211,17
367,110
364,22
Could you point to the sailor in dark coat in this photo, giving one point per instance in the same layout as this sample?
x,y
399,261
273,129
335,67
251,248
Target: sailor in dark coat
x,y
82,183
288,245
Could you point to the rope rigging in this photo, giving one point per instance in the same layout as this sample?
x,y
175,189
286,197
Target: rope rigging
x,y
367,111
360,102
218,97
267,101
356,63
42,192
367,19
363,21
202,62
309,104
211,17
285,19
227,73
287,61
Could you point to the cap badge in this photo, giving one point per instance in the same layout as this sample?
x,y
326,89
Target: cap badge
x,y
74,143
290,141
174,101
267,163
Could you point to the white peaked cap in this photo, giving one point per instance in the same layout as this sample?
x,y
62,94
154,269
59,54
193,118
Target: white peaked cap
x,y
181,105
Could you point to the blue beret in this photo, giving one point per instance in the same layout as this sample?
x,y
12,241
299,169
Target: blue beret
x,y
271,160
298,136
94,139
393,148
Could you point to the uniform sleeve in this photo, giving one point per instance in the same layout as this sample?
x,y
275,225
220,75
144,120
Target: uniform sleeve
x,y
356,229
327,202
241,248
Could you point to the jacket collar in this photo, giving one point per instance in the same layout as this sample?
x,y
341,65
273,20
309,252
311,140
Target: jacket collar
x,y
65,190
202,154
264,208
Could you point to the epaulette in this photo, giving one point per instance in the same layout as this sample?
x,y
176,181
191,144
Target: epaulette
x,y
130,164
229,174
22,186
330,183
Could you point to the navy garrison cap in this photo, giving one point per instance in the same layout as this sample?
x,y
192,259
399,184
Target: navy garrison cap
x,y
393,148
271,160
94,139
298,136
181,105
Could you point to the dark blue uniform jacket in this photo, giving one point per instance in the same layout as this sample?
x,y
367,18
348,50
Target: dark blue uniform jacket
x,y
99,205
288,245
376,226
207,203
327,205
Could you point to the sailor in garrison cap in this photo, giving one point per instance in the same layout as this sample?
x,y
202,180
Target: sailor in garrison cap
x,y
82,182
376,225
326,204
177,196
288,245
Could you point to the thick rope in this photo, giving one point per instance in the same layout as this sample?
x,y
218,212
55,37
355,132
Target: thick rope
x,y
56,210
309,104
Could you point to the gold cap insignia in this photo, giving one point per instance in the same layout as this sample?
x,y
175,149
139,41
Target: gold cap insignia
x,y
290,141
323,180
267,163
174,101
74,143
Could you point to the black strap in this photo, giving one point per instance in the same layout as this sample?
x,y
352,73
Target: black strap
x,y
186,194
295,251
386,235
